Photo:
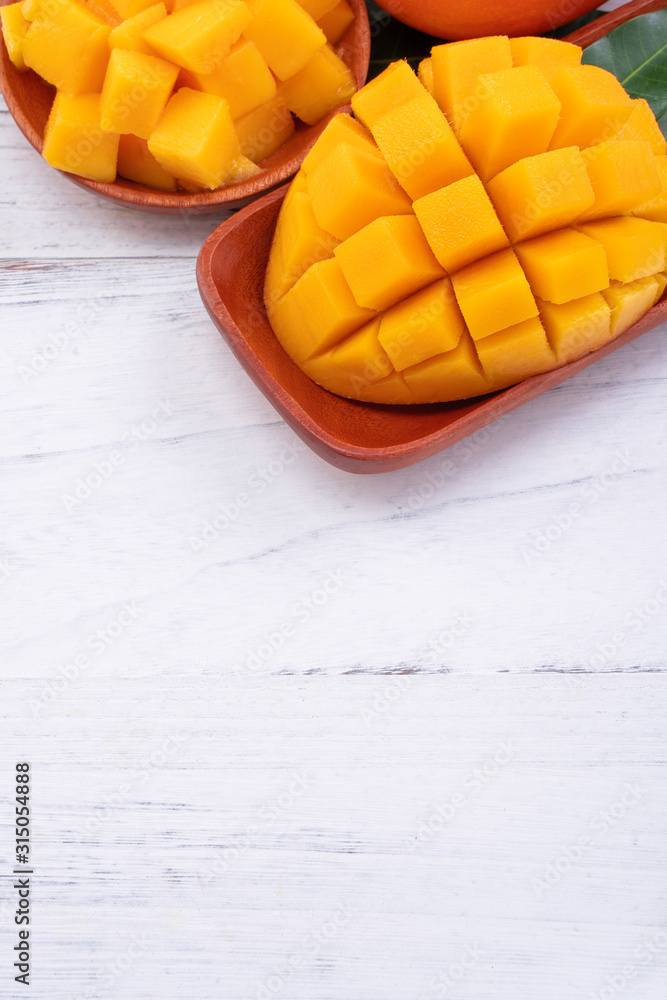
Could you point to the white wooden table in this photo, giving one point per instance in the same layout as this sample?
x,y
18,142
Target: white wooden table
x,y
369,738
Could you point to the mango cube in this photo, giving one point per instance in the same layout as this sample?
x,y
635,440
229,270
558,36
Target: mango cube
x,y
341,128
541,192
69,47
456,374
456,71
14,29
105,11
351,188
137,163
395,86
195,138
594,106
317,8
130,8
547,54
423,325
515,353
298,244
635,248
460,223
324,83
317,312
285,34
420,146
354,365
656,208
262,131
425,74
622,175
642,125
515,119
129,34
493,294
575,328
199,36
135,92
335,23
242,78
75,141
629,302
563,265
387,260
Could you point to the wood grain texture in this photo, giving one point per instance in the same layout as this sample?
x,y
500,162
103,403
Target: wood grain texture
x,y
29,100
244,714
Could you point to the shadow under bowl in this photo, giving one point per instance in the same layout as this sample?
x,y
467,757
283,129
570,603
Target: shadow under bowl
x,y
29,99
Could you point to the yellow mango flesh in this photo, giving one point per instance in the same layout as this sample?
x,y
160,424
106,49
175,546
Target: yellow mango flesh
x,y
420,147
460,223
635,248
476,284
515,353
456,71
137,163
335,23
199,36
541,193
386,261
563,265
262,131
195,138
594,106
75,141
628,303
242,78
547,54
14,29
422,325
622,175
324,83
350,188
493,294
129,34
130,8
642,125
516,117
105,11
577,327
69,47
135,92
425,74
285,34
656,208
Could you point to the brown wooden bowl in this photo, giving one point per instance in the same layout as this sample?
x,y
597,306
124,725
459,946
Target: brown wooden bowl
x,y
29,99
358,437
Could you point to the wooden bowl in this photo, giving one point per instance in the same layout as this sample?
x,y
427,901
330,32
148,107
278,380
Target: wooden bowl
x,y
358,437
29,100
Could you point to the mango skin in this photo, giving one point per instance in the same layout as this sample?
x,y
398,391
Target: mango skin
x,y
390,283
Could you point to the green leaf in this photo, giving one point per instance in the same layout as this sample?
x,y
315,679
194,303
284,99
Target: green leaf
x,y
636,53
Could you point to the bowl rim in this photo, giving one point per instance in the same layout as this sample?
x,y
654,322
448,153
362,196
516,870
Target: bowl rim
x,y
143,198
360,458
